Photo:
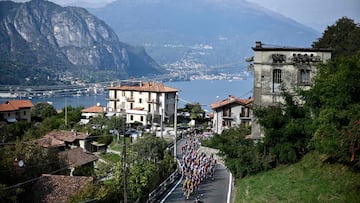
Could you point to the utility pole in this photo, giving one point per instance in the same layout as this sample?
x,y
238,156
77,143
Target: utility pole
x,y
161,123
124,159
175,124
65,112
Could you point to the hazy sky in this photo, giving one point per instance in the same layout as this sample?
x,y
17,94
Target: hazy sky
x,y
317,14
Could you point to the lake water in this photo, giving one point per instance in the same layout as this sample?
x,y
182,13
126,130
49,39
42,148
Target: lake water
x,y
204,92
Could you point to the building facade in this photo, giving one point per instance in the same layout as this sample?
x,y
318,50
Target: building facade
x,y
144,102
282,68
16,110
231,112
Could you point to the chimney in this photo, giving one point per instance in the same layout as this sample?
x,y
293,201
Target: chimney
x,y
258,44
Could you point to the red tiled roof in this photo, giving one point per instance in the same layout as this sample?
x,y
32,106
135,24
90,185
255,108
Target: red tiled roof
x,y
67,136
138,108
94,109
231,100
13,105
77,157
146,87
57,188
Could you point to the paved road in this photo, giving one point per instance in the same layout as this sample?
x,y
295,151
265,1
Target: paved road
x,y
215,191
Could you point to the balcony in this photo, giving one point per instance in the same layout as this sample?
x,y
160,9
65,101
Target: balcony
x,y
155,101
227,116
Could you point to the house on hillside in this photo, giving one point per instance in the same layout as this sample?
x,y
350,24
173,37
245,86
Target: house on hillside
x,y
231,112
64,140
143,102
78,157
16,110
71,139
57,188
91,112
282,68
94,111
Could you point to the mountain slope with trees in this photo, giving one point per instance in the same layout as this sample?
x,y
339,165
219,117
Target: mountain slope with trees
x,y
40,41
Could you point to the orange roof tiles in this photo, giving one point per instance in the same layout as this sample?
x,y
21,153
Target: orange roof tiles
x,y
94,109
14,105
146,87
231,100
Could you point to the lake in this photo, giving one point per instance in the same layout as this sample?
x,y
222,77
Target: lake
x,y
204,92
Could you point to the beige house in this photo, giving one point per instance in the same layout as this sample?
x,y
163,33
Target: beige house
x,y
94,111
16,110
231,112
144,102
278,68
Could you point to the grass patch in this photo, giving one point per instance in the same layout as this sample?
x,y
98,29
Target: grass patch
x,y
310,180
110,157
119,146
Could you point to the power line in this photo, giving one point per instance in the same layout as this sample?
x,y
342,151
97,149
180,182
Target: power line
x,y
31,180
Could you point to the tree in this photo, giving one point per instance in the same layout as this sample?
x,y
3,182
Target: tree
x,y
42,110
37,161
149,148
285,126
334,102
343,37
143,178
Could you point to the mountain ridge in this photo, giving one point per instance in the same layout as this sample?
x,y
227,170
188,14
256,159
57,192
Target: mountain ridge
x,y
230,27
44,35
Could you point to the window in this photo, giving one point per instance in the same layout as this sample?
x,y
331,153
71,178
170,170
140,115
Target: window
x,y
24,113
244,112
149,96
140,100
149,107
131,105
131,117
141,118
123,93
276,80
305,76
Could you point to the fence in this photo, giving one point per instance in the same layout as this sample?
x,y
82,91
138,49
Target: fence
x,y
164,186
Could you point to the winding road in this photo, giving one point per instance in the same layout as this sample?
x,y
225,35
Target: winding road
x,y
211,191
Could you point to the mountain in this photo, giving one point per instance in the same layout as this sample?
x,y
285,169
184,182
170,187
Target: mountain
x,y
210,32
40,41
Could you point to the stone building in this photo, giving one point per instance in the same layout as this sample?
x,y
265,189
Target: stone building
x,y
282,68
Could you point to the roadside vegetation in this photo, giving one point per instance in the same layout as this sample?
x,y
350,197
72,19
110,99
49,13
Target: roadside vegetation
x,y
311,149
148,160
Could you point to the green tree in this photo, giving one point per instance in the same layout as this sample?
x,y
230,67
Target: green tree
x,y
42,110
143,178
343,37
149,148
334,101
285,127
240,154
37,161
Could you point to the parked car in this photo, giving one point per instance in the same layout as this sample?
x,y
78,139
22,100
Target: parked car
x,y
131,133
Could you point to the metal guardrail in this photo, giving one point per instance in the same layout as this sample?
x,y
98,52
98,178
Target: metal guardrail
x,y
164,186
